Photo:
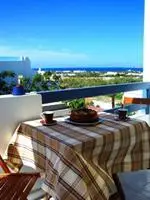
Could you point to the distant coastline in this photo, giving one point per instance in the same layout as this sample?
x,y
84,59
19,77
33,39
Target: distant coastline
x,y
96,69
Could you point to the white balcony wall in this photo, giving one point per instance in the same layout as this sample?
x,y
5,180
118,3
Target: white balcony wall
x,y
146,50
15,109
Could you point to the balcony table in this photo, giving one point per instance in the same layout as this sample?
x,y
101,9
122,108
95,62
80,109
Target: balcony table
x,y
79,161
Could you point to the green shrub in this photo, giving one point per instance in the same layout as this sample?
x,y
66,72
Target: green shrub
x,y
76,103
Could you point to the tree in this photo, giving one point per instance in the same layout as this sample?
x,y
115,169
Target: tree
x,y
7,81
39,82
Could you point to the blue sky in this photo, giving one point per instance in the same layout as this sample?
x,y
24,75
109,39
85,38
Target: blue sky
x,y
73,33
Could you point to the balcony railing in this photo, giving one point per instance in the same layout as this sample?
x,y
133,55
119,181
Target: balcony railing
x,y
68,94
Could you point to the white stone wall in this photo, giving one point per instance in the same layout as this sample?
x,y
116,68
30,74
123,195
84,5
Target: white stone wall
x,y
15,109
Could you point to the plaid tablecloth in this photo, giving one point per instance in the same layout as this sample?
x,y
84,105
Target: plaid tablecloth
x,y
79,160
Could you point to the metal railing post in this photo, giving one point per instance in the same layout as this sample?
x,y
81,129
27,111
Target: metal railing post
x,y
148,96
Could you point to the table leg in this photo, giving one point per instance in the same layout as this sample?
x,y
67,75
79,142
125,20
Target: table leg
x,y
119,188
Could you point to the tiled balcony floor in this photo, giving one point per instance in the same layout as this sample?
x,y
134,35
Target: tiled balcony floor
x,y
136,185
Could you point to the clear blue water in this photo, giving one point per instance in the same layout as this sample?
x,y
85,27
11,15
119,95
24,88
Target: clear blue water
x,y
100,69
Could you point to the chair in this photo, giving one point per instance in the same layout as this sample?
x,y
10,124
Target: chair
x,y
15,186
134,100
143,103
3,165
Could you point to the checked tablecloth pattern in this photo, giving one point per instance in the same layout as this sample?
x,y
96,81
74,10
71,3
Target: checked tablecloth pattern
x,y
79,161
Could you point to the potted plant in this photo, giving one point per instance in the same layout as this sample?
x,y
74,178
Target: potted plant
x,y
18,89
76,104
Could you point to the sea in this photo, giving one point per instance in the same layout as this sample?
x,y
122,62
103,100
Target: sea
x,y
77,68
91,69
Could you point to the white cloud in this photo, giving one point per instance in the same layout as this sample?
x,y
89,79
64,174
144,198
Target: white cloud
x,y
46,57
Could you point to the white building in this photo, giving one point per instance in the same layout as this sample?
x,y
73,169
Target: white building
x,y
22,66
